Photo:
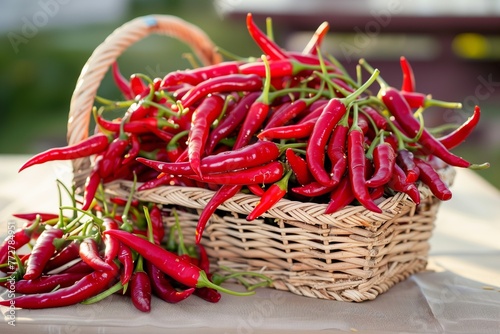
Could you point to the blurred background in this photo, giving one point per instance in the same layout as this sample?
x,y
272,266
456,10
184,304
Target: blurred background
x,y
453,46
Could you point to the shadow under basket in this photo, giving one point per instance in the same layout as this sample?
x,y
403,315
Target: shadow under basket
x,y
351,255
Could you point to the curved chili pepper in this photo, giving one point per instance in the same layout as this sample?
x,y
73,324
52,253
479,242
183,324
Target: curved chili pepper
x,y
408,77
432,179
91,185
278,68
65,255
120,81
226,83
299,167
137,86
174,148
398,182
336,151
17,240
384,159
313,189
87,287
208,294
140,291
92,145
341,196
284,115
377,118
315,150
292,131
126,259
79,267
405,160
265,43
203,117
255,189
157,223
113,156
111,246
271,196
224,193
268,173
252,155
231,122
315,42
134,150
43,216
356,161
198,75
142,126
402,112
89,253
43,249
46,283
169,263
162,287
458,136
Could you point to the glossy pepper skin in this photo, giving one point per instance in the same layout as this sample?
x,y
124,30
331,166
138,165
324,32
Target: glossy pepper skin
x,y
42,251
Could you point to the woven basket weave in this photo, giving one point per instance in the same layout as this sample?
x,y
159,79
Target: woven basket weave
x,y
351,255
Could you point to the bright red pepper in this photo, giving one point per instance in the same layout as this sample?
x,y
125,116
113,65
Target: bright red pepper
x,y
299,167
292,131
341,196
458,136
405,160
265,43
65,255
313,189
384,159
43,216
315,42
87,287
203,117
125,257
198,75
336,151
399,183
89,253
15,241
140,291
92,145
271,196
227,83
122,83
408,77
433,180
46,283
43,249
162,287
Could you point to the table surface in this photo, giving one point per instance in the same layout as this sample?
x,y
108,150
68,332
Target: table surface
x,y
459,293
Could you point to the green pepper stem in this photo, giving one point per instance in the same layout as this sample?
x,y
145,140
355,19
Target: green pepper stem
x,y
115,288
204,282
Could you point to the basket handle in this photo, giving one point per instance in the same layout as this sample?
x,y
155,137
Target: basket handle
x,y
108,51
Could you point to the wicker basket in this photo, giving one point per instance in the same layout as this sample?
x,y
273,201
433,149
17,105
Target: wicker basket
x,y
351,255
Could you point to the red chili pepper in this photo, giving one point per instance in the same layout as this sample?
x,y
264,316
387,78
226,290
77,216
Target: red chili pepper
x,y
87,287
33,215
122,83
255,189
111,246
252,155
292,131
65,255
315,112
341,196
458,136
144,125
405,160
157,223
299,167
203,117
92,145
336,150
403,114
126,259
271,196
43,250
89,253
313,189
315,150
227,83
378,119
120,201
278,68
356,161
45,283
134,150
162,287
140,291
384,159
137,86
432,179
408,77
399,183
315,42
265,43
224,193
15,241
268,173
231,122
113,156
169,263
286,114
79,267
198,75
91,185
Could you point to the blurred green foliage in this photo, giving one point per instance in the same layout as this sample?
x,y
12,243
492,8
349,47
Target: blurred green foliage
x,y
37,82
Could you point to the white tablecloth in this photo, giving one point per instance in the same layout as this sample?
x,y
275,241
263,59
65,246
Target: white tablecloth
x,y
459,293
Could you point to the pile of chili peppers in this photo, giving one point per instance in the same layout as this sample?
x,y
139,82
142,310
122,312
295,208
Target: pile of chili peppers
x,y
115,248
288,124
